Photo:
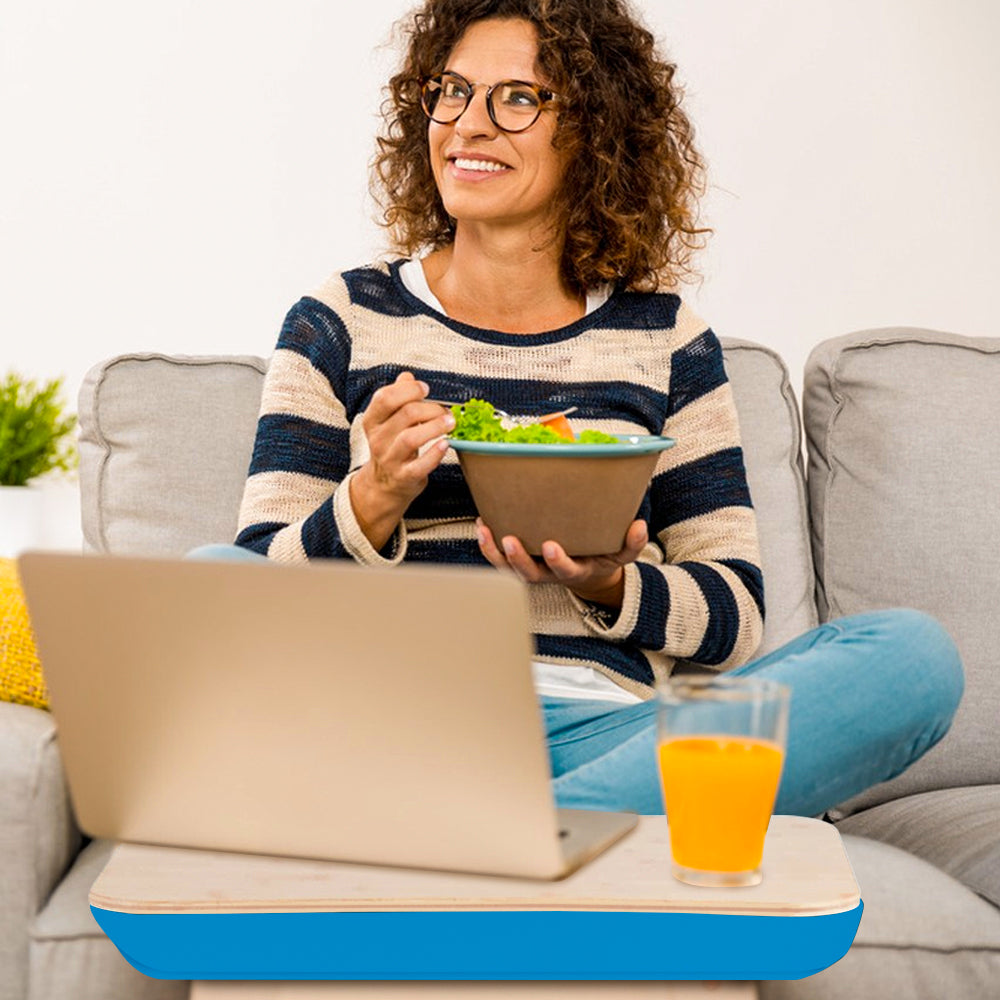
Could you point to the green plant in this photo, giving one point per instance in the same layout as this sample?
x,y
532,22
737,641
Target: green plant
x,y
33,430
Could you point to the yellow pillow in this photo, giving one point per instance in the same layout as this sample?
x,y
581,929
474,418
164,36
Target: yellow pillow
x,y
21,678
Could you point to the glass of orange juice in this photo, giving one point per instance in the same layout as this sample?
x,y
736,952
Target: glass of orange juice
x,y
721,744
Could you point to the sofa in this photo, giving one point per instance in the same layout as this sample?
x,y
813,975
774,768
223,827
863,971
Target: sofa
x,y
903,456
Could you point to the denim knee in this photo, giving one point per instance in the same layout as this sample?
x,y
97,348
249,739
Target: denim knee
x,y
938,665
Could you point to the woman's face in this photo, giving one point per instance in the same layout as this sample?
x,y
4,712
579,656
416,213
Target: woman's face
x,y
522,173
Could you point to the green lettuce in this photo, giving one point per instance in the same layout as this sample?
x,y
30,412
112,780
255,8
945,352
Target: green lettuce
x,y
476,420
596,437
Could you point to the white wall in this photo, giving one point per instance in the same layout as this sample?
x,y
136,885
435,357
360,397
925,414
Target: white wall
x,y
174,175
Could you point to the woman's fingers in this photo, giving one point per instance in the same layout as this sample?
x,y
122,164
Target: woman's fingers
x,y
636,539
527,568
388,399
395,407
509,555
488,546
561,565
401,429
557,566
420,467
417,425
591,572
579,570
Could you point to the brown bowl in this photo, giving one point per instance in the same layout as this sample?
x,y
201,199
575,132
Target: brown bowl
x,y
583,496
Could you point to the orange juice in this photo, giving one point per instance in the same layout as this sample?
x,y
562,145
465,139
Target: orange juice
x,y
719,792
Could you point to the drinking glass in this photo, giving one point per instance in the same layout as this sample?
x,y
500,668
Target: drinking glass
x,y
721,745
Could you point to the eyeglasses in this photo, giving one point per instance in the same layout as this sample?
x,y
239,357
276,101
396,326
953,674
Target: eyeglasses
x,y
513,105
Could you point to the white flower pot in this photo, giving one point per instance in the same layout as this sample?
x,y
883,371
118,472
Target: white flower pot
x,y
21,519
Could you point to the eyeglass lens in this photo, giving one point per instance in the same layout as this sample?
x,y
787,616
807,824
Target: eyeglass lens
x,y
513,106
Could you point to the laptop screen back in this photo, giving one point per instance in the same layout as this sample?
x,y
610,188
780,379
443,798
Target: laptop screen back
x,y
326,711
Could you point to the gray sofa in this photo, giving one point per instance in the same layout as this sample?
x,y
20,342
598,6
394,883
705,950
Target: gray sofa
x,y
903,432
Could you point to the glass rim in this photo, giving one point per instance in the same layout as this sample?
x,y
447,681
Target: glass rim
x,y
695,687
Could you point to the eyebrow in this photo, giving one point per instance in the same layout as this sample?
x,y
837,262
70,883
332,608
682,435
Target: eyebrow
x,y
504,79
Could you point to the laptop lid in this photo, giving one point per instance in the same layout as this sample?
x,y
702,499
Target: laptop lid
x,y
328,711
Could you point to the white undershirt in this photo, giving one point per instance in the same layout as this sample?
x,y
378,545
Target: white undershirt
x,y
553,680
412,273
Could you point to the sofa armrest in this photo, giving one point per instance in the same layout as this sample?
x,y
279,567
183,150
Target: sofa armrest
x,y
38,834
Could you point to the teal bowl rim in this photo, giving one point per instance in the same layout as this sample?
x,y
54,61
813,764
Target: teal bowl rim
x,y
629,444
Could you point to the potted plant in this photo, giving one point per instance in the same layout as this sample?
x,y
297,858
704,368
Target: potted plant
x,y
35,439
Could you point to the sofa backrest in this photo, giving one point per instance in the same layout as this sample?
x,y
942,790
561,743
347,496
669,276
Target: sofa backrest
x,y
903,429
165,444
772,450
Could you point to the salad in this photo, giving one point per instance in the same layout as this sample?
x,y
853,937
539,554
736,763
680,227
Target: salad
x,y
476,420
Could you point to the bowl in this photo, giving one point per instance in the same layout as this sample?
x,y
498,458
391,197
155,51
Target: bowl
x,y
583,496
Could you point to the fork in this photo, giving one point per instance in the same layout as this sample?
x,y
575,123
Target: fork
x,y
541,418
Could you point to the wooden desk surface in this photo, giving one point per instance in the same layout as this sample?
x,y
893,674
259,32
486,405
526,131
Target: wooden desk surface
x,y
806,873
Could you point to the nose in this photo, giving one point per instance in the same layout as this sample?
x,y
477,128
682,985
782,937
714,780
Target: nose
x,y
475,120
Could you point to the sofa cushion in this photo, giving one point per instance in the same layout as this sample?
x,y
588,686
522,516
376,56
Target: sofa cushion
x,y
70,954
38,836
904,472
957,829
772,445
165,445
922,934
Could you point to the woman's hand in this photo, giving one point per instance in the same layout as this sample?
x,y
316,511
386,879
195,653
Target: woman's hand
x,y
599,579
398,423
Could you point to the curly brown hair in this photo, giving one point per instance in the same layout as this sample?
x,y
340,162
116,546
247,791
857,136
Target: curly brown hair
x,y
629,200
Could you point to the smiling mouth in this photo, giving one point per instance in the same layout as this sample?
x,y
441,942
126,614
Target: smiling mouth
x,y
478,166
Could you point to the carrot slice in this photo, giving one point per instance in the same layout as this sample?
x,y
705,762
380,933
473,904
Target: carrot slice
x,y
561,426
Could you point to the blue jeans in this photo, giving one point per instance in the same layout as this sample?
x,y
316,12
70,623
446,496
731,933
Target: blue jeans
x,y
871,693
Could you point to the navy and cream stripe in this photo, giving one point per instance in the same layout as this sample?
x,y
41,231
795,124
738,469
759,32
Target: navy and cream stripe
x,y
641,363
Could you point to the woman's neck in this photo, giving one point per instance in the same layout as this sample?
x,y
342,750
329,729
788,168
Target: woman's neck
x,y
504,282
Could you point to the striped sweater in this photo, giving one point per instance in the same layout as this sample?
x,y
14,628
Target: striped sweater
x,y
641,363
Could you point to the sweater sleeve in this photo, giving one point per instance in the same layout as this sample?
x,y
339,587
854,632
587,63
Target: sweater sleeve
x,y
296,501
696,593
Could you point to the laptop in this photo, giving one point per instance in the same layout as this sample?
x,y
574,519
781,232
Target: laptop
x,y
330,711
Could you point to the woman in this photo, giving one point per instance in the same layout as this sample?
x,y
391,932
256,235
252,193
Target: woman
x,y
536,154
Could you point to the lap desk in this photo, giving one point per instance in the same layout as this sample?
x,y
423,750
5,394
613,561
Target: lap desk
x,y
176,913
